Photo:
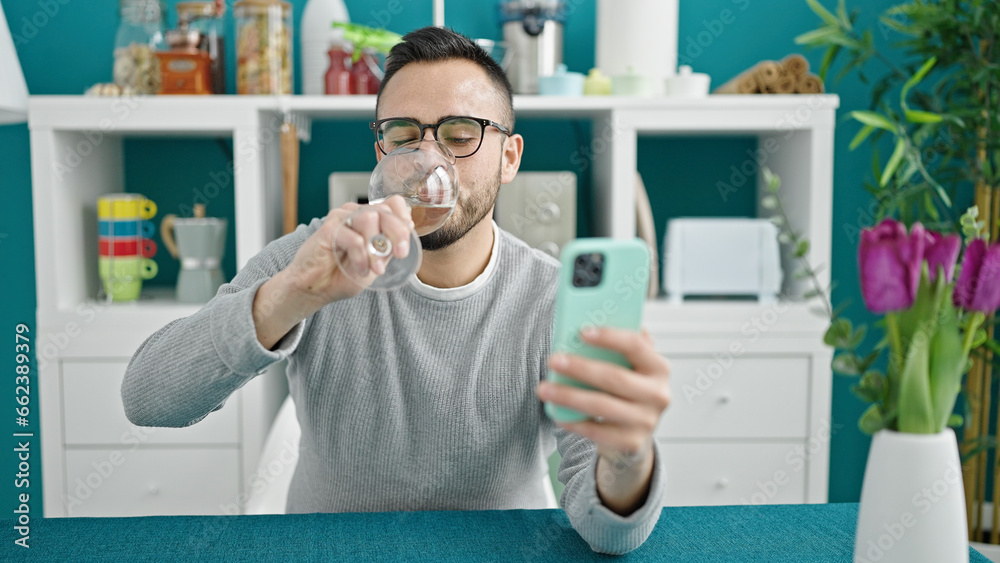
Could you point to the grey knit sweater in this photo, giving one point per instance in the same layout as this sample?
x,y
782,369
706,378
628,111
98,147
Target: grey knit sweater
x,y
416,399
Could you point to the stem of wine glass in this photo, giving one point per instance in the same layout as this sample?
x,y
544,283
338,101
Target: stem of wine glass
x,y
380,246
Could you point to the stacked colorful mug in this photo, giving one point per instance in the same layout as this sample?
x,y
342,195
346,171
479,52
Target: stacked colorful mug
x,y
124,247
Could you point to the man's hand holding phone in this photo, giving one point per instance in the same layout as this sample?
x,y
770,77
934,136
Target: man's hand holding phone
x,y
607,382
625,405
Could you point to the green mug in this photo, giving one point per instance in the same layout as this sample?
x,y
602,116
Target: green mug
x,y
123,277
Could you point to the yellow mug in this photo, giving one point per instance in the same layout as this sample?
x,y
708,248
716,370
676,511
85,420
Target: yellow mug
x,y
125,206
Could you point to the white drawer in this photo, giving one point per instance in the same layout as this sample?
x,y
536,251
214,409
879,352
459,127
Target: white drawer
x,y
149,482
94,415
753,397
733,473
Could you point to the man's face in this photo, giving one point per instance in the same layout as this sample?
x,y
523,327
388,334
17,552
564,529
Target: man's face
x,y
429,92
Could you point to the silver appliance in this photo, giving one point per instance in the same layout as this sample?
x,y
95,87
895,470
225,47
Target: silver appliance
x,y
540,209
533,35
537,207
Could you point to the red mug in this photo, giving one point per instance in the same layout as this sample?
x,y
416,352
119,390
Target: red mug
x,y
126,247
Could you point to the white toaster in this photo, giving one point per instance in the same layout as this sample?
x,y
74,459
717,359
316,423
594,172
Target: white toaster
x,y
721,257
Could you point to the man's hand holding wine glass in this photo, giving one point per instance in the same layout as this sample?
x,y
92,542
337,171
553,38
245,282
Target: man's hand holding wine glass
x,y
315,277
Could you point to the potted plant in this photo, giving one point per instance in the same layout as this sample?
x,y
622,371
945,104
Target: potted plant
x,y
912,501
944,131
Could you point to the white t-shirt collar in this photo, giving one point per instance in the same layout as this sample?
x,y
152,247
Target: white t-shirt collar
x,y
463,291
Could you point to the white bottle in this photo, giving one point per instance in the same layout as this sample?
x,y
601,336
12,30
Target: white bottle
x,y
317,33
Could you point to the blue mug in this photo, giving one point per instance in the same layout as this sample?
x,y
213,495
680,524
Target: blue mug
x,y
125,228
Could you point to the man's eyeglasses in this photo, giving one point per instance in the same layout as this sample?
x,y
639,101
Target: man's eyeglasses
x,y
462,135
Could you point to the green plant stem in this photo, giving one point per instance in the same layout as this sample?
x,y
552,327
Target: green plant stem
x,y
975,321
895,339
795,239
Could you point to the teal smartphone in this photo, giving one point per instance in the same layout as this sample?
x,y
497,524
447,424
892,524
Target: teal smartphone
x,y
602,283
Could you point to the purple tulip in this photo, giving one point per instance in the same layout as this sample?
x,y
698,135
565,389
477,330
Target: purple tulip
x,y
889,262
978,286
941,251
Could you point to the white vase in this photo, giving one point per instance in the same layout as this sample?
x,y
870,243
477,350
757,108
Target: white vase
x,y
317,33
912,501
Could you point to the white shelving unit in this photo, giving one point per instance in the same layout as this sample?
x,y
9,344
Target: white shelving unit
x,y
725,444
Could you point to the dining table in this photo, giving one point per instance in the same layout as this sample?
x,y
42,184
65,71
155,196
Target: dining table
x,y
699,534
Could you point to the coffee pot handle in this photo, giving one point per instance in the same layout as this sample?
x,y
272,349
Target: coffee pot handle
x,y
167,234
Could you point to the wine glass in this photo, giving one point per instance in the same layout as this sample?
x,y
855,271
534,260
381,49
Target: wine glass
x,y
423,173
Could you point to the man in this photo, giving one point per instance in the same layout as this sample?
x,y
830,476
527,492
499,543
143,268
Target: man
x,y
427,397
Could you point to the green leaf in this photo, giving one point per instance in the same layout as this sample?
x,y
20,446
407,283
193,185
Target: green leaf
x,y
874,119
872,420
918,116
823,12
846,364
784,238
828,58
817,37
871,388
838,334
916,413
861,136
893,164
845,41
842,14
769,202
947,362
771,180
979,338
858,337
917,77
930,208
802,249
955,421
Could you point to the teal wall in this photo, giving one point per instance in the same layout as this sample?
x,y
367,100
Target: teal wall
x,y
69,48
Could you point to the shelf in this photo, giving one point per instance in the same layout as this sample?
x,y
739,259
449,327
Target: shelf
x,y
217,115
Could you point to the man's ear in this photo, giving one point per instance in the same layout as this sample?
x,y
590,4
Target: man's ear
x,y
378,153
513,147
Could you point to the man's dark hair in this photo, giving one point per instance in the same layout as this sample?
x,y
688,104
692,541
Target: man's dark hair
x,y
432,44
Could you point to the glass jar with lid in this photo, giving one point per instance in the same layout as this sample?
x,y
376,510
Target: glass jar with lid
x,y
140,33
208,19
263,47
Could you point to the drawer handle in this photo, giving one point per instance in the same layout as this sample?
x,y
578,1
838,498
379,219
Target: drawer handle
x,y
154,489
725,398
722,483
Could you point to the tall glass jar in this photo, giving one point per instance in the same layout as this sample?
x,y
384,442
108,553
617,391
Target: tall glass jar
x,y
140,33
263,47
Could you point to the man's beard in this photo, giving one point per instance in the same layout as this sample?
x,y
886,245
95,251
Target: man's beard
x,y
468,213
